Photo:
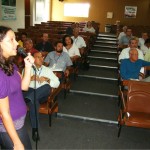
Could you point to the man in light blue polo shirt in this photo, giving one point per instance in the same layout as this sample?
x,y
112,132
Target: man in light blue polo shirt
x,y
58,60
124,41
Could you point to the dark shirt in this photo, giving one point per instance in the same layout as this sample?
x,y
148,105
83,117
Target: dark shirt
x,y
44,47
69,31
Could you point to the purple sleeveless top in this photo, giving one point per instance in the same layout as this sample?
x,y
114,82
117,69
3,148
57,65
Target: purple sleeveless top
x,y
11,86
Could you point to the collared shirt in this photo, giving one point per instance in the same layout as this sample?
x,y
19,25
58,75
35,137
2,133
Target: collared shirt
x,y
47,46
121,34
58,62
145,49
131,70
141,42
124,40
73,51
79,41
45,72
147,55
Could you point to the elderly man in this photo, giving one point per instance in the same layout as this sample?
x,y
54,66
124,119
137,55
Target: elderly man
x,y
28,45
130,68
45,80
125,52
45,46
78,40
58,60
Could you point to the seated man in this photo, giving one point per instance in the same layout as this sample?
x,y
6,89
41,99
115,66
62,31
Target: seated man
x,y
124,40
45,46
45,79
123,33
143,39
130,68
78,41
28,45
58,60
125,52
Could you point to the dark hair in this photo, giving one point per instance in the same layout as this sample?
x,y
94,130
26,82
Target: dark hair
x,y
5,64
147,41
24,33
63,40
56,43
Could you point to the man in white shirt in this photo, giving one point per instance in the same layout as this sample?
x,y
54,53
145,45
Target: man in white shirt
x,y
45,79
143,39
125,52
78,41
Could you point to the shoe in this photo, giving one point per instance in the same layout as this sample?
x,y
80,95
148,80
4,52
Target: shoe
x,y
35,135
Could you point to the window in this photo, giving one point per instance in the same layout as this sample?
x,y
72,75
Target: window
x,y
76,9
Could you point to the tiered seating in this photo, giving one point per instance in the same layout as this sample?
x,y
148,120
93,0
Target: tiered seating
x,y
56,30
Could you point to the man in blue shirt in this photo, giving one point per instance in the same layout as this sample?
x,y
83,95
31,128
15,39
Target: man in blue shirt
x,y
130,68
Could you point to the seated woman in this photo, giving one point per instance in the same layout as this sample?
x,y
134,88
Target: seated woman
x,y
70,48
89,28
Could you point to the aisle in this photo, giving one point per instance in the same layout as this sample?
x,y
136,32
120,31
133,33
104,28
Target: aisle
x,y
93,96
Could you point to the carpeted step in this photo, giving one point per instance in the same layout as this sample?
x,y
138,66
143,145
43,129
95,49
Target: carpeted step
x,y
103,55
99,49
107,35
109,73
103,62
95,86
89,106
102,42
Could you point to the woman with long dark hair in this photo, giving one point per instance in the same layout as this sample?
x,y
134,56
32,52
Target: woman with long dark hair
x,y
13,134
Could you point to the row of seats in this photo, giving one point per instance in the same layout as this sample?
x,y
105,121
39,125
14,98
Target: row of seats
x,y
51,105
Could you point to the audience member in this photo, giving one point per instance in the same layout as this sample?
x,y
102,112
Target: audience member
x,y
70,48
130,68
143,39
89,28
78,41
45,46
58,60
69,30
28,44
125,52
124,41
45,80
23,38
123,33
146,48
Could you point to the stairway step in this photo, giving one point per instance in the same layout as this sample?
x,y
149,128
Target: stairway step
x,y
104,51
105,46
105,42
107,35
94,72
89,106
103,62
100,86
106,38
103,54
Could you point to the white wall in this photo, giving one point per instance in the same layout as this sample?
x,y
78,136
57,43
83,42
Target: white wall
x,y
20,16
45,12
